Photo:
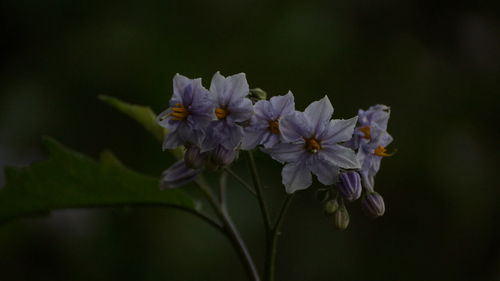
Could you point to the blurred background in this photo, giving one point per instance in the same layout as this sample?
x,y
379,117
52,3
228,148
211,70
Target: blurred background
x,y
436,63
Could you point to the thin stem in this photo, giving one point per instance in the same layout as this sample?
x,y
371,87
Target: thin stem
x,y
241,181
273,239
258,189
230,231
222,189
211,221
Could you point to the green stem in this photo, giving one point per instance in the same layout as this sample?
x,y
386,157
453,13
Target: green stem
x,y
273,239
241,181
222,189
231,231
208,219
258,189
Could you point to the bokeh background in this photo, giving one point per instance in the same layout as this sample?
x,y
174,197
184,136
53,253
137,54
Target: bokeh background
x,y
436,63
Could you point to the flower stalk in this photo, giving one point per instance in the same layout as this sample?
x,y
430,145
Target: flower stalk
x,y
273,238
258,190
230,230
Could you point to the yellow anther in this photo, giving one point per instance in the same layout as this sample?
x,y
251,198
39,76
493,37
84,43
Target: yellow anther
x,y
274,127
366,131
381,151
179,112
221,113
312,145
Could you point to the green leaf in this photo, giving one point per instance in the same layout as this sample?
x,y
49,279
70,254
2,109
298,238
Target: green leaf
x,y
68,179
142,114
145,116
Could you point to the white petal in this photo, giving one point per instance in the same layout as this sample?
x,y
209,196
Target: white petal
x,y
217,88
282,105
252,139
180,83
339,130
339,156
287,152
296,176
237,86
327,173
319,113
295,127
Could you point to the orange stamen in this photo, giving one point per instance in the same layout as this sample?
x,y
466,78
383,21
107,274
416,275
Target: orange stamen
x,y
274,127
312,145
179,112
221,113
366,131
381,151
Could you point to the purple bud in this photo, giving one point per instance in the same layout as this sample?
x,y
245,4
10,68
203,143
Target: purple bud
x,y
194,158
177,175
373,204
220,156
350,185
341,218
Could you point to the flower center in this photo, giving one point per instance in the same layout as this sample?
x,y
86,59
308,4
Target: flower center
x,y
381,151
366,132
179,112
312,145
221,113
274,127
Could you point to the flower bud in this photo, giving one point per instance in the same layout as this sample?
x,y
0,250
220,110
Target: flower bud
x,y
220,157
178,174
331,206
341,218
194,158
373,204
257,94
350,185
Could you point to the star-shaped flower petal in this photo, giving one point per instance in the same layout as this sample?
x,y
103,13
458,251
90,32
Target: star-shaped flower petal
x,y
232,107
370,155
264,128
312,146
188,115
375,118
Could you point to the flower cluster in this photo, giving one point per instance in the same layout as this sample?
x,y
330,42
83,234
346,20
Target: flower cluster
x,y
214,124
206,123
369,140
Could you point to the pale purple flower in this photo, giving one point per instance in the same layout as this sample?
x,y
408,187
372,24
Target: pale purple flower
x,y
264,128
311,145
232,107
375,118
370,155
178,174
188,115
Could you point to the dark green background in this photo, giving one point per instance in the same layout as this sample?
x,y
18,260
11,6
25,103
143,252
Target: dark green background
x,y
434,62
